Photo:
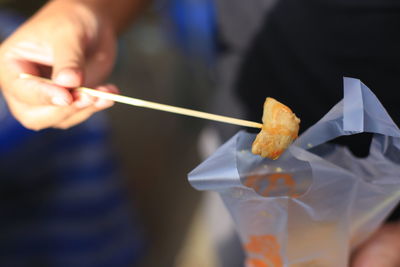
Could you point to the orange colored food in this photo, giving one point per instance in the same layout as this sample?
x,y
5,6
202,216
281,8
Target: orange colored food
x,y
280,129
265,251
257,181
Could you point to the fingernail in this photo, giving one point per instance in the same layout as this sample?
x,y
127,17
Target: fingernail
x,y
84,100
102,103
68,78
59,101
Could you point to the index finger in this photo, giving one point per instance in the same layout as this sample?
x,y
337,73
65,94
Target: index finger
x,y
29,90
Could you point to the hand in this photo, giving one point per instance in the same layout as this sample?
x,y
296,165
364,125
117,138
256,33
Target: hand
x,y
73,44
381,250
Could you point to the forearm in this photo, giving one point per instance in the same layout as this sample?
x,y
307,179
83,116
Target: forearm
x,y
120,12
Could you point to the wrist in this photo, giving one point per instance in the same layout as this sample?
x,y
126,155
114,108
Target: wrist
x,y
90,14
118,13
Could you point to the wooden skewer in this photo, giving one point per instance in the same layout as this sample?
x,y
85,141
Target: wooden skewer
x,y
153,105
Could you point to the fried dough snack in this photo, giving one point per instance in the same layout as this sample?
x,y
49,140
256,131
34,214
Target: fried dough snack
x,y
280,128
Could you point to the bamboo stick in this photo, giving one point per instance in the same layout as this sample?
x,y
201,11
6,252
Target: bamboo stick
x,y
153,105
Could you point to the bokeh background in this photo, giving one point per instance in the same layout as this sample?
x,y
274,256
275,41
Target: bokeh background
x,y
158,149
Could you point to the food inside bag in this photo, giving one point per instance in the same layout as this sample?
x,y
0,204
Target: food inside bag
x,y
317,202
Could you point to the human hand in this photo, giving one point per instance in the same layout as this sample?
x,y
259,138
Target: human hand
x,y
70,42
381,250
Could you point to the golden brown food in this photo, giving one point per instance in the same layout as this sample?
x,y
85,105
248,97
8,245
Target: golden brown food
x,y
280,128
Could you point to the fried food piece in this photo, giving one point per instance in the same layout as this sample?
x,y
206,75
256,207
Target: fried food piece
x,y
280,128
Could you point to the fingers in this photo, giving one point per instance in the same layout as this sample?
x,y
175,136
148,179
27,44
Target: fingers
x,y
377,255
33,91
84,113
79,117
104,103
39,117
38,105
64,37
70,77
83,100
69,56
39,93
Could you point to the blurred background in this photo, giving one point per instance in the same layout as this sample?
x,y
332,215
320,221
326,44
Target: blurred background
x,y
158,149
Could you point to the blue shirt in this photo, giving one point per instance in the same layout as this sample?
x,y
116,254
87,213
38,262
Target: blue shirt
x,y
61,199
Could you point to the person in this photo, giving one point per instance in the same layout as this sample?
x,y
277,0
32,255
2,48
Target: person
x,y
63,202
73,43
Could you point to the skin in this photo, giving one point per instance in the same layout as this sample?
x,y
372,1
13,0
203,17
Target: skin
x,y
381,250
80,52
73,43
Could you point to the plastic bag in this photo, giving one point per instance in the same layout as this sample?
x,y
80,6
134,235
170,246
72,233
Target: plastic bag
x,y
317,202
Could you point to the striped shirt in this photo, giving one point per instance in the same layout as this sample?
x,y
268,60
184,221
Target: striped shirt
x,y
61,197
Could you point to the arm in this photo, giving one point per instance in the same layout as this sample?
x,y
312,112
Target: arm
x,y
120,12
71,41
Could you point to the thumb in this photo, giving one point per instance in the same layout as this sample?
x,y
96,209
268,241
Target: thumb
x,y
69,56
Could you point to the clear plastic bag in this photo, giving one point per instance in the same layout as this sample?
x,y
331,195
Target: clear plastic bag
x,y
317,202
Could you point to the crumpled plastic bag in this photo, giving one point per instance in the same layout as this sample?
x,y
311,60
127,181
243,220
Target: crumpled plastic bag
x,y
317,202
